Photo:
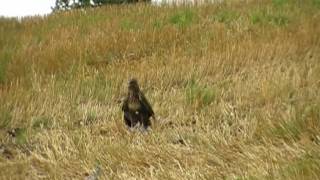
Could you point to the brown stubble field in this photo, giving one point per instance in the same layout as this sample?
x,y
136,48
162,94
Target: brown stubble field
x,y
235,88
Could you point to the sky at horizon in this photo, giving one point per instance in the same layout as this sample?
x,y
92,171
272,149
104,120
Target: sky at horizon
x,y
21,8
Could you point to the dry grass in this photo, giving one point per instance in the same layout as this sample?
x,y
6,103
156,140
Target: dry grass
x,y
235,87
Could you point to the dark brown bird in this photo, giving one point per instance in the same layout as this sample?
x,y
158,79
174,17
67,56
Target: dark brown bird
x,y
136,108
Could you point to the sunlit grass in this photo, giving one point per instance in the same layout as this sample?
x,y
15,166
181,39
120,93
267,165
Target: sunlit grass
x,y
234,85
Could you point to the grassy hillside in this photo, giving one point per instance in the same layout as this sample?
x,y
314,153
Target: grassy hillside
x,y
235,88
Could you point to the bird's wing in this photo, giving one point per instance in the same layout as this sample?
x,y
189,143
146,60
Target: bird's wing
x,y
124,106
146,104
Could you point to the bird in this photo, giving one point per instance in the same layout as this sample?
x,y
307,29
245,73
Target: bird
x,y
136,108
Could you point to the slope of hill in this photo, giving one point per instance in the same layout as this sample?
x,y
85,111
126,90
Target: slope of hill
x,y
235,88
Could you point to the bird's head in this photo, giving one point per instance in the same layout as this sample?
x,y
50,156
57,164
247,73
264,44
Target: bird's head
x,y
133,86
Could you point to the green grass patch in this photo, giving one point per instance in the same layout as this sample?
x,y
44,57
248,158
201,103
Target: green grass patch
x,y
304,118
226,16
90,118
280,3
5,118
129,25
198,95
262,17
305,167
158,24
3,68
183,18
98,88
21,136
316,3
288,130
5,58
42,122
